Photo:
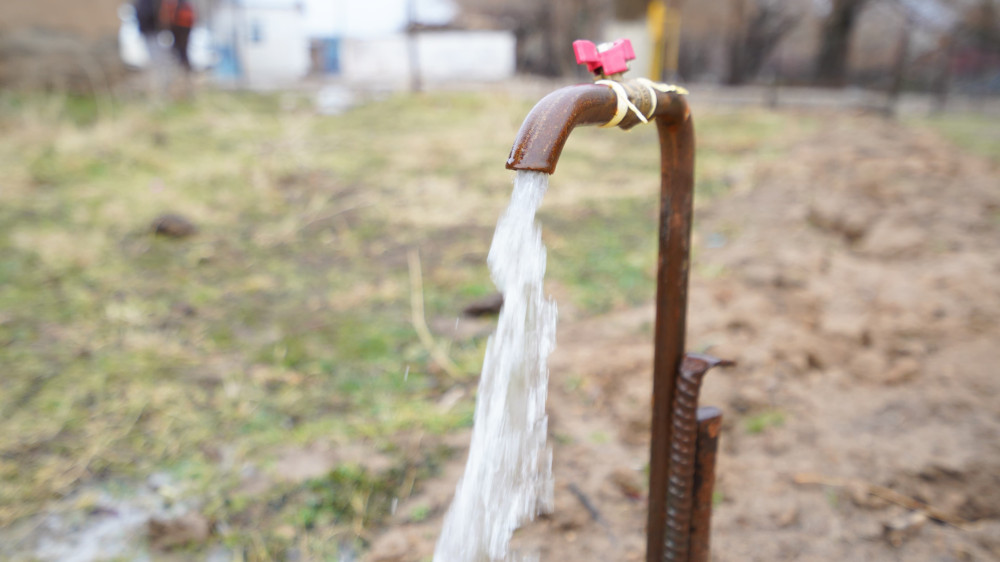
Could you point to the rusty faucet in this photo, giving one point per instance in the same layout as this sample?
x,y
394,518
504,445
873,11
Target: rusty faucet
x,y
684,440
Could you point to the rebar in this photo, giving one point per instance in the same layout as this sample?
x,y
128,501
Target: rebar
x,y
683,453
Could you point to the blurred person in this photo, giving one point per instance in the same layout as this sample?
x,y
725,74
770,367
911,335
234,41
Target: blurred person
x,y
178,16
166,27
147,14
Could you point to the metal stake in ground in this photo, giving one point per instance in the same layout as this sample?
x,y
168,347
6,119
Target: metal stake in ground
x,y
706,451
683,457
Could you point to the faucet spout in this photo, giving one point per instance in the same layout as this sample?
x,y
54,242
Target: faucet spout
x,y
540,141
541,138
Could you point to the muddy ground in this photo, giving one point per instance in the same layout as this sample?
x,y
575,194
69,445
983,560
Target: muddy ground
x,y
857,284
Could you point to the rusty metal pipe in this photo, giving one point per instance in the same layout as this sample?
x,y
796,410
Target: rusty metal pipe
x,y
543,134
676,200
707,449
541,138
538,146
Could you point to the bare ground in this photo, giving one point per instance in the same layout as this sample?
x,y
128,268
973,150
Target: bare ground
x,y
856,284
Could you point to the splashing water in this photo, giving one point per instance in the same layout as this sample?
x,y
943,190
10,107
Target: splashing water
x,y
508,477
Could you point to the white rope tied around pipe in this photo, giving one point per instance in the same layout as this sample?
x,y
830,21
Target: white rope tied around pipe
x,y
625,104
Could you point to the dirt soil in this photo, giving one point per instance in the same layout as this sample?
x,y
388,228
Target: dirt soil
x,y
857,285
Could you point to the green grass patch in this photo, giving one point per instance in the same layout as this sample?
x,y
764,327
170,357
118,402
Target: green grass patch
x,y
759,423
604,253
717,498
972,132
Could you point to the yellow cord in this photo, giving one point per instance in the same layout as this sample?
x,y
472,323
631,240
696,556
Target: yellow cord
x,y
665,88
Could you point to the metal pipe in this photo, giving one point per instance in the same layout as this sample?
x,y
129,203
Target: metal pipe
x,y
540,140
676,196
538,146
707,450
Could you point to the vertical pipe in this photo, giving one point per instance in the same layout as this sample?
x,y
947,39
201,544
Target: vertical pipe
x,y
673,40
676,197
707,449
656,14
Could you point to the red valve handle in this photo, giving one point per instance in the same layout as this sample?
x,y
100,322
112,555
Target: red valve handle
x,y
607,58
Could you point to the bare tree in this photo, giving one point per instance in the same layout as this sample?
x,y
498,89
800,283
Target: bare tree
x,y
981,25
756,32
835,41
899,68
630,10
544,30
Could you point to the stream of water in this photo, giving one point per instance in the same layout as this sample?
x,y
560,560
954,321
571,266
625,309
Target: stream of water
x,y
508,476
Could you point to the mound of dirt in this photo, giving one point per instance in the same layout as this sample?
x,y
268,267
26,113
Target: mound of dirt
x,y
860,295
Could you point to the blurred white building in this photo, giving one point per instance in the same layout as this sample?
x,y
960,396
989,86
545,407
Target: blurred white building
x,y
372,47
370,43
368,19
267,42
263,43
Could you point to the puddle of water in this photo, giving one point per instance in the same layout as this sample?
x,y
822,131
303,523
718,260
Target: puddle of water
x,y
93,524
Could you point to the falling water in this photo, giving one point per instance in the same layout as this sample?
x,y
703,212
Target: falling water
x,y
508,477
